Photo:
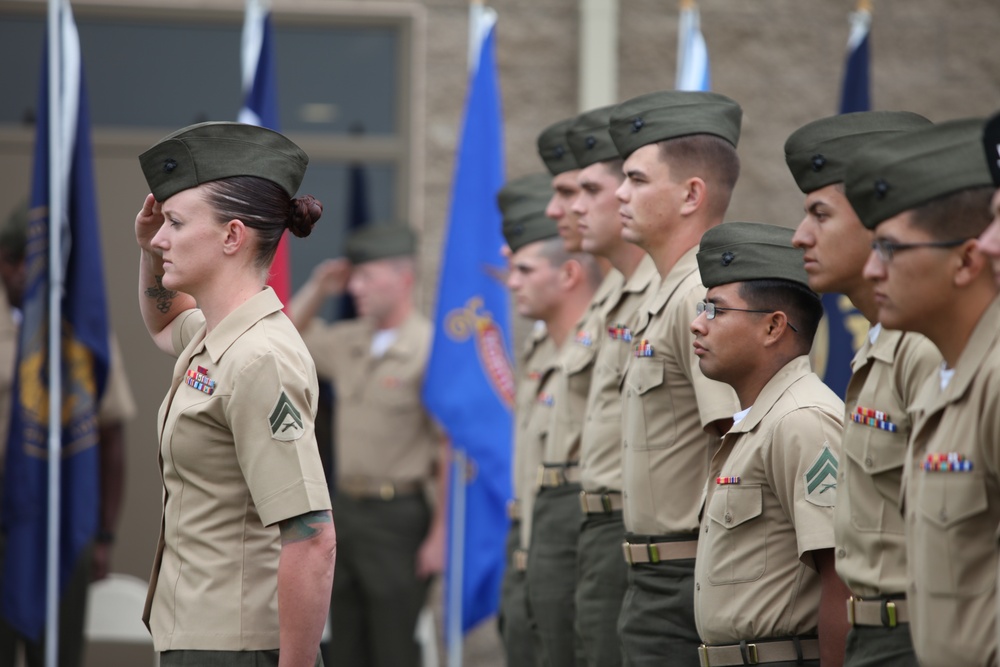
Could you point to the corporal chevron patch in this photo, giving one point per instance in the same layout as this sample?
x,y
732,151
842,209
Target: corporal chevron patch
x,y
285,421
821,479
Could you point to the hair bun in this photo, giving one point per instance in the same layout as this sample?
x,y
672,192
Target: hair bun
x,y
306,210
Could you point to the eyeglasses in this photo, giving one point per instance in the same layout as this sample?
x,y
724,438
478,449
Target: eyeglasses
x,y
710,309
885,249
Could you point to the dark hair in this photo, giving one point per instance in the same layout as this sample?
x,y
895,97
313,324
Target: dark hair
x,y
266,208
959,215
709,157
802,306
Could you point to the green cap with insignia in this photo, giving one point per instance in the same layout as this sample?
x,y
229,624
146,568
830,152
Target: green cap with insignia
x,y
991,144
375,242
817,153
554,150
211,151
655,117
522,202
589,137
911,169
737,251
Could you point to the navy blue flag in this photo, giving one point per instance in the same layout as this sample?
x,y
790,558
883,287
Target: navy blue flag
x,y
845,325
84,363
260,107
469,386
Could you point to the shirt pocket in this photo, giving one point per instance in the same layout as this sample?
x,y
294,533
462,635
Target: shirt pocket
x,y
957,557
878,456
644,404
738,545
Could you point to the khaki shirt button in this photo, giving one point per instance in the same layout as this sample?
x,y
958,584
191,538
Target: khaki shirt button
x,y
868,462
841,552
728,518
625,444
697,587
706,527
630,393
943,515
913,587
639,387
624,494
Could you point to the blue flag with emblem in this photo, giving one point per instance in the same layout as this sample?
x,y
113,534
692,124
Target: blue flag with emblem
x,y
469,385
845,325
83,357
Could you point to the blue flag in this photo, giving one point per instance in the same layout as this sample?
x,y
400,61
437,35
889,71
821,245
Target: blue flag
x,y
844,322
693,72
260,107
469,386
84,361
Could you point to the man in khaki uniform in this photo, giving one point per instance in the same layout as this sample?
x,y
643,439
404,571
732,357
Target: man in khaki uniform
x,y
680,170
888,370
926,194
601,572
765,578
555,517
389,450
522,203
116,407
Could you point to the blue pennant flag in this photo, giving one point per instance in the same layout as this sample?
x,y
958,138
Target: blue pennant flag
x,y
692,53
83,359
469,386
843,321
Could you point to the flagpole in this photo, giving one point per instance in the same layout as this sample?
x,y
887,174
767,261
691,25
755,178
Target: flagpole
x,y
56,207
456,556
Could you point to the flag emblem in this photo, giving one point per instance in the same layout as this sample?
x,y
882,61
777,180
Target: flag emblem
x,y
821,479
285,421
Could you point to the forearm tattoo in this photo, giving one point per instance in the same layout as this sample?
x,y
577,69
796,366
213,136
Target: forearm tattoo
x,y
301,528
164,297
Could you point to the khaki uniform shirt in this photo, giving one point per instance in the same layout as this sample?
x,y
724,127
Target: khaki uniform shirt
x,y
666,402
769,502
533,415
601,440
576,362
952,517
383,431
886,377
238,454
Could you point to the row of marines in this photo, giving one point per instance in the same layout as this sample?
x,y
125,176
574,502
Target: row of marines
x,y
688,491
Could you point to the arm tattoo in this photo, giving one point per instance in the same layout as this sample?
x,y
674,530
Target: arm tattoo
x,y
300,528
164,297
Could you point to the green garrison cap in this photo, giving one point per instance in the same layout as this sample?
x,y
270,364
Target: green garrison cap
x,y
817,153
209,151
991,143
589,137
554,150
673,113
381,242
911,169
522,202
736,251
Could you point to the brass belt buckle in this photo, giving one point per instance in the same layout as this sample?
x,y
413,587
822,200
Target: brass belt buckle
x,y
850,610
627,549
654,553
606,502
386,491
752,654
703,654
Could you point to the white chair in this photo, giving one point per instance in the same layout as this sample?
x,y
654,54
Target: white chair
x,y
114,611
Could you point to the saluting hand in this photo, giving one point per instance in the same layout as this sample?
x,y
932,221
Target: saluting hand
x,y
147,222
331,276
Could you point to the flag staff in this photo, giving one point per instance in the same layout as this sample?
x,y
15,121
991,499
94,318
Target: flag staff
x,y
55,219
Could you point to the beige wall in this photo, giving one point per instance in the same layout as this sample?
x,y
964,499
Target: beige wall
x,y
781,59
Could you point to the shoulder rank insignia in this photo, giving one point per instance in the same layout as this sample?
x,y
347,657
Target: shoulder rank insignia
x,y
285,421
199,380
821,479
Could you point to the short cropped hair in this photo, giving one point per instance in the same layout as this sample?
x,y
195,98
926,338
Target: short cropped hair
x,y
961,215
802,306
709,157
